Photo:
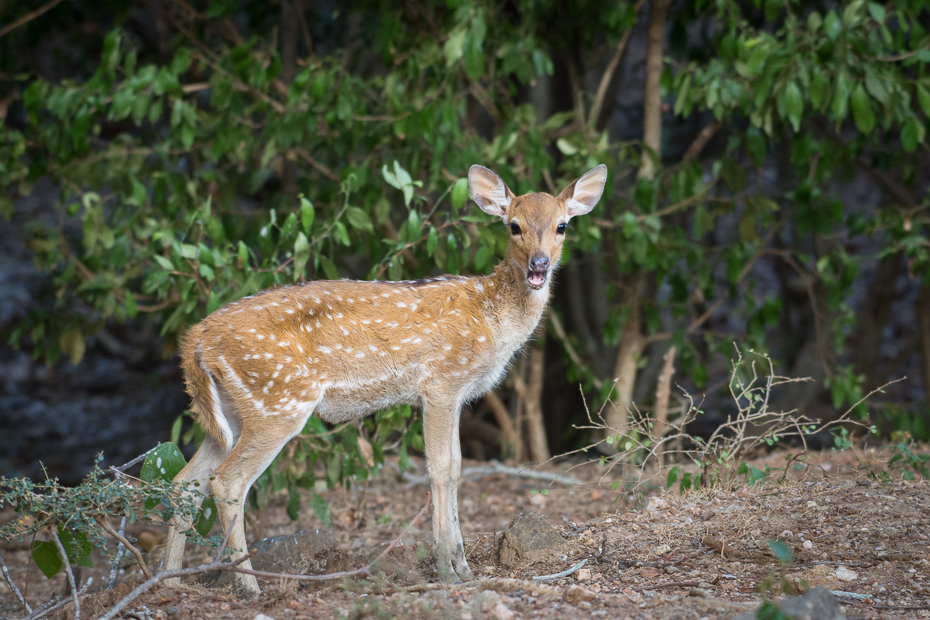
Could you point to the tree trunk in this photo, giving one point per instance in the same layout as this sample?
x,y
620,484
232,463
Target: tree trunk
x,y
536,427
873,317
290,24
652,113
508,433
631,338
922,310
663,392
631,345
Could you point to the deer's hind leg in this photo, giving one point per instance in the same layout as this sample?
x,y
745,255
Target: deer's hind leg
x,y
264,434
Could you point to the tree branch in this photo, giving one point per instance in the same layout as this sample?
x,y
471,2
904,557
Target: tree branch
x,y
28,17
132,548
610,71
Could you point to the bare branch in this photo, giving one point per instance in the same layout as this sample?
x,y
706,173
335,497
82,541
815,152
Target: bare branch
x,y
69,572
118,557
28,17
132,548
16,592
610,71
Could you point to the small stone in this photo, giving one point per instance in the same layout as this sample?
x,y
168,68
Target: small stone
x,y
538,500
530,538
699,592
262,617
661,550
501,612
577,594
583,574
812,505
671,570
656,503
808,544
844,574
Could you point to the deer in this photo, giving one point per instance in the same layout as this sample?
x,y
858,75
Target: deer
x,y
256,369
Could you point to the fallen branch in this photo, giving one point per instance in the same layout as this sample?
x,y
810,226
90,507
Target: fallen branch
x,y
505,584
564,573
496,467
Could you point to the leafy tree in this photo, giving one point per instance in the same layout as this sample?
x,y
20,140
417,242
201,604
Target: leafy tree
x,y
205,151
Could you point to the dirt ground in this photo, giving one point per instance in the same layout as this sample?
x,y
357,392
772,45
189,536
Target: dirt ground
x,y
650,553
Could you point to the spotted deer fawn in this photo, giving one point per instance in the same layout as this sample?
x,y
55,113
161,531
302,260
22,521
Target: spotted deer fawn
x,y
258,368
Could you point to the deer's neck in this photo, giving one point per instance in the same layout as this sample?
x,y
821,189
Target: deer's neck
x,y
516,306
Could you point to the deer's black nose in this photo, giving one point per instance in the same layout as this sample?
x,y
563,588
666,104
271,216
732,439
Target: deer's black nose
x,y
539,263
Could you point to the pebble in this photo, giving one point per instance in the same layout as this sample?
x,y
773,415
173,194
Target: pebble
x,y
808,544
844,574
583,574
501,612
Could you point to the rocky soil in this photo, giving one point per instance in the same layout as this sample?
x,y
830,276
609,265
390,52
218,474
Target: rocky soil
x,y
657,555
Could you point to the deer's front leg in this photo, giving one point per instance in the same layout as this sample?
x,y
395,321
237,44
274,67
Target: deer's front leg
x,y
444,460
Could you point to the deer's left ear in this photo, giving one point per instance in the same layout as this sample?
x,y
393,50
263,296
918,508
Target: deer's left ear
x,y
581,195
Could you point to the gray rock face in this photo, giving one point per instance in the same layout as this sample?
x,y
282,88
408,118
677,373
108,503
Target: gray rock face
x,y
818,604
530,538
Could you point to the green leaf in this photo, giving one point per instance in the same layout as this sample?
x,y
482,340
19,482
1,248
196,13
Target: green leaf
x,y
923,96
566,147
909,135
164,262
329,268
176,429
781,550
320,508
832,25
222,8
307,214
459,193
794,105
206,517
454,47
301,255
862,109
877,12
840,106
293,502
359,219
163,463
45,555
818,89
431,241
77,547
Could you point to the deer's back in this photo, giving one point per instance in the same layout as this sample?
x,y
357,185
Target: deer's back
x,y
350,348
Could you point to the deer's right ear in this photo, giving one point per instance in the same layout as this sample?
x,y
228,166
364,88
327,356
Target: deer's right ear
x,y
489,191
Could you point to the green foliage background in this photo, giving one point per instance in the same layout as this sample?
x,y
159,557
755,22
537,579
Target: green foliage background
x,y
197,162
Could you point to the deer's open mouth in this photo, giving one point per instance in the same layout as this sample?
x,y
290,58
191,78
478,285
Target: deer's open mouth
x,y
536,278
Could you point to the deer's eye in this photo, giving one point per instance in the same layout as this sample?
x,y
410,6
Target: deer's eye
x,y
514,228
560,229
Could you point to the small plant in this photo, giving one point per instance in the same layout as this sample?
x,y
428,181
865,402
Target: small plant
x,y
79,517
910,461
775,583
722,456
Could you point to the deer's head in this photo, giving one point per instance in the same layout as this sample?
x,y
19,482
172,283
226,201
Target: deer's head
x,y
537,221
